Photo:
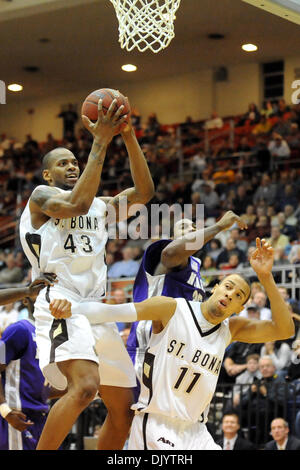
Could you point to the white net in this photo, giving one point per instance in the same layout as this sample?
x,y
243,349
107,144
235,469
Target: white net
x,y
145,24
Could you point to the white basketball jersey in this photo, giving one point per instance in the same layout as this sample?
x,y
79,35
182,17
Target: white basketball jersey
x,y
73,249
182,365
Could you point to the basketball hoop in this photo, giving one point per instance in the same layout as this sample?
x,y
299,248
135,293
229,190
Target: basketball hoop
x,y
145,24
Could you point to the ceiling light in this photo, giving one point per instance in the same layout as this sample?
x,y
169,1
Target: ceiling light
x,y
129,68
249,47
15,87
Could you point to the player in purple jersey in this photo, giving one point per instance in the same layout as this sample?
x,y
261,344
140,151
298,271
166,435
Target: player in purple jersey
x,y
168,268
23,397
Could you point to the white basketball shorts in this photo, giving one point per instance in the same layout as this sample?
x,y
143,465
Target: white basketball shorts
x,y
157,432
115,366
75,338
61,340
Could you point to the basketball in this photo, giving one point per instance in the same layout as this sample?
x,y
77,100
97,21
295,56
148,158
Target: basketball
x,y
90,104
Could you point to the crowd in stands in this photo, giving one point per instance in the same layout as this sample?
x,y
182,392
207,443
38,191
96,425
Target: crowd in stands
x,y
251,168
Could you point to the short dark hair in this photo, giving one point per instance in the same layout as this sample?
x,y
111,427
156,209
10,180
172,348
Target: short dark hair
x,y
255,357
46,162
231,413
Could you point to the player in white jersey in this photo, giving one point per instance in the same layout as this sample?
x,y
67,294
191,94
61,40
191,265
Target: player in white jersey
x,y
186,350
62,231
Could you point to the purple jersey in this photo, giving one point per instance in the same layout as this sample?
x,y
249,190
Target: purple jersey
x,y
184,283
23,384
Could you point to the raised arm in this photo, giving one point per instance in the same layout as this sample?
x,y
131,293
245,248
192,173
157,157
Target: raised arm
x,y
143,189
49,202
176,253
261,331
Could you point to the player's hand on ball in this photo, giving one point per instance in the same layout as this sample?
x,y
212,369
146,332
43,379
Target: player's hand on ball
x,y
127,127
60,308
229,219
107,124
262,258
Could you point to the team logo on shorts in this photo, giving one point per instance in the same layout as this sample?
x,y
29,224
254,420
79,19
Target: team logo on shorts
x,y
166,441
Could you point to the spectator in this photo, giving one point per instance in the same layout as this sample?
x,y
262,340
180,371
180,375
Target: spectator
x,y
293,138
263,127
240,243
267,110
287,197
290,218
211,200
265,400
232,440
289,230
278,148
235,358
223,177
214,248
198,163
233,262
50,144
245,378
208,265
242,200
125,268
249,215
260,299
251,117
280,353
70,117
282,108
277,239
265,191
8,314
12,273
293,371
151,130
263,156
230,248
282,440
282,127
261,229
215,122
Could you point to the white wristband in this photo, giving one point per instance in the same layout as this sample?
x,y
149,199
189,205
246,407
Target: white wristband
x,y
5,410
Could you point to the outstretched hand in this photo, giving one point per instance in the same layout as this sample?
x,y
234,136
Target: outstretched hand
x,y
229,219
262,258
107,124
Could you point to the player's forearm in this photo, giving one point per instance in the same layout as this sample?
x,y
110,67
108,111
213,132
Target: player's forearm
x,y
13,295
178,250
140,173
97,312
281,316
87,186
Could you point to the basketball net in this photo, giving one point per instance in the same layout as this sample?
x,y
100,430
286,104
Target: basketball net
x,y
145,24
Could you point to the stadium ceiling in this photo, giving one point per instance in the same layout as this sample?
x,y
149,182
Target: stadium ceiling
x,y
56,46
